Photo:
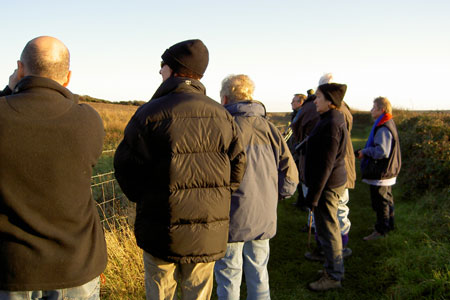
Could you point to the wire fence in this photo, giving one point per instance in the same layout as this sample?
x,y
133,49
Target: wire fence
x,y
113,206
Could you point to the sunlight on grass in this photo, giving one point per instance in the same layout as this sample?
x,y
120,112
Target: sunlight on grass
x,y
125,270
412,262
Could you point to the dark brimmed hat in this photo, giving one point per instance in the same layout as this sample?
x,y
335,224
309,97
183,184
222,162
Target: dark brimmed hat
x,y
333,92
191,55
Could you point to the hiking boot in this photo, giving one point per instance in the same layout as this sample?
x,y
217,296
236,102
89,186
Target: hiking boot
x,y
324,283
346,252
373,236
315,255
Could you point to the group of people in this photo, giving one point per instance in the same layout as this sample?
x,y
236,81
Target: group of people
x,y
321,144
206,179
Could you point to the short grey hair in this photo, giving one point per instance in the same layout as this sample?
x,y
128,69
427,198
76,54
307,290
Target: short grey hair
x,y
326,78
237,88
384,104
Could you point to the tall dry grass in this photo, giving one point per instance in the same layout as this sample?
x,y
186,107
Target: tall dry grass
x,y
124,274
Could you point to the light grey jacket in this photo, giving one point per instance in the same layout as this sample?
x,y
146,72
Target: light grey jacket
x,y
271,174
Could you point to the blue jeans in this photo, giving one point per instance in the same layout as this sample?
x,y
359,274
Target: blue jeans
x,y
87,291
252,256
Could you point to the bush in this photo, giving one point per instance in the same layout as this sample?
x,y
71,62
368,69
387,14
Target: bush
x,y
425,148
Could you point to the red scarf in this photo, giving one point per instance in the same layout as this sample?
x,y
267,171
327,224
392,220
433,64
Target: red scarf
x,y
383,120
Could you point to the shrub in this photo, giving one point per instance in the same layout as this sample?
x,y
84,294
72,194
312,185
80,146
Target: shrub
x,y
425,148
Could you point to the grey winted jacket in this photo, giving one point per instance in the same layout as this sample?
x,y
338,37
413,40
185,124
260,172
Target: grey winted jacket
x,y
271,174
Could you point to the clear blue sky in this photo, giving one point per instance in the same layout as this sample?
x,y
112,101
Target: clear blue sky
x,y
398,49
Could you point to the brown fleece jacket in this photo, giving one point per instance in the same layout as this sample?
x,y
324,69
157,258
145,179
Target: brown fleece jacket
x,y
50,233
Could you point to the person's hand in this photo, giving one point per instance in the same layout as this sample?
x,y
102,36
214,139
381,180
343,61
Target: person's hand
x,y
13,80
360,155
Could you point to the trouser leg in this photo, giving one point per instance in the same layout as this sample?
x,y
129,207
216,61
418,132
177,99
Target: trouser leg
x,y
310,220
329,233
228,272
383,204
344,221
256,258
196,280
87,291
160,278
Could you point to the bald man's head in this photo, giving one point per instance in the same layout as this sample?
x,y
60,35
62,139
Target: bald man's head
x,y
48,57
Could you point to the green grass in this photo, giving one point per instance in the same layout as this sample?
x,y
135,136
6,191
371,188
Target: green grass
x,y
412,262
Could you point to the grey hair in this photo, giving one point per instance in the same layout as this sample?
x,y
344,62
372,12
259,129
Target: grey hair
x,y
237,88
383,103
326,78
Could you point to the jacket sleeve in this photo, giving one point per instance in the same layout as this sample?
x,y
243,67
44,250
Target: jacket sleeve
x,y
7,91
130,161
238,158
287,170
382,148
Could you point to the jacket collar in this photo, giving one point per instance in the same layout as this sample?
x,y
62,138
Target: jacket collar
x,y
247,108
330,113
30,82
179,85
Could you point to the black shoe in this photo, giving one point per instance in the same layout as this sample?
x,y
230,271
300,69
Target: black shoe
x,y
315,255
346,252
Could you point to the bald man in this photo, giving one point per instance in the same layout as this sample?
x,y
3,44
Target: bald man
x,y
51,240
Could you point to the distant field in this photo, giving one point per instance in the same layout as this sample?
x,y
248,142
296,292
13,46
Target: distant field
x,y
115,117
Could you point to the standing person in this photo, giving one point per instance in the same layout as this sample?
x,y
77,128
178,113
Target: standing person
x,y
326,177
380,166
296,105
270,175
180,160
343,210
307,119
51,240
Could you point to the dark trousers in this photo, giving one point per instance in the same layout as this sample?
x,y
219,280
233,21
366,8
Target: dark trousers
x,y
329,231
383,205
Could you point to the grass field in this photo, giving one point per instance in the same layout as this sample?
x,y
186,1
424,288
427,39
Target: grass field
x,y
413,262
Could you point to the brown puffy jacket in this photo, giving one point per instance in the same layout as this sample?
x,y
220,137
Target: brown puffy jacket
x,y
180,160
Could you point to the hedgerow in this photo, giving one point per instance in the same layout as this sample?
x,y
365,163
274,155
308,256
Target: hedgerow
x,y
425,149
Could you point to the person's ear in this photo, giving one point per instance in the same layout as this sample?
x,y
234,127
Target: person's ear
x,y
20,70
67,80
224,100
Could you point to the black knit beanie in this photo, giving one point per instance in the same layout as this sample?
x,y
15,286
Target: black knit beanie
x,y
191,55
333,92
